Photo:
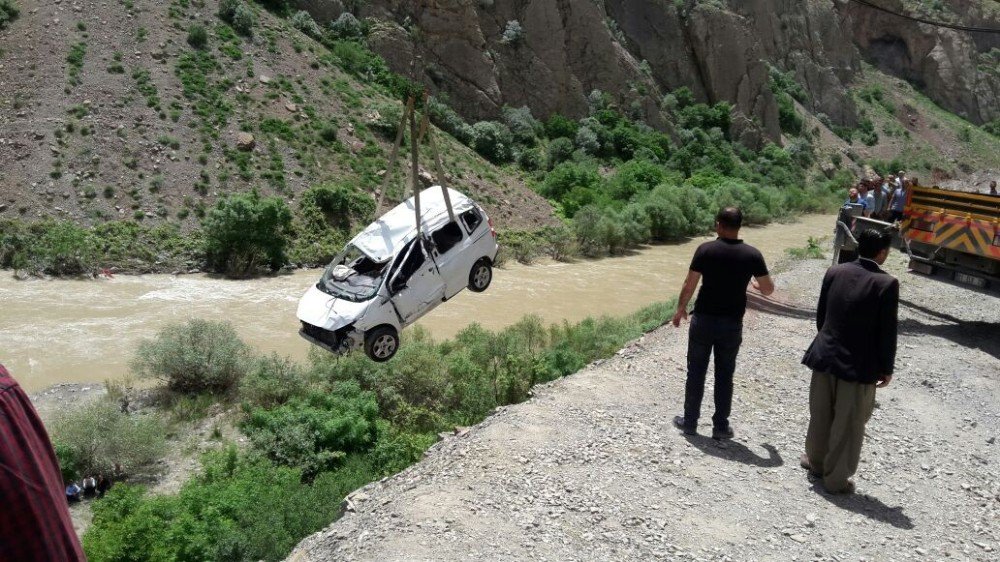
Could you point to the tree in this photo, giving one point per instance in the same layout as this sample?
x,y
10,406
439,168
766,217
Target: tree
x,y
245,232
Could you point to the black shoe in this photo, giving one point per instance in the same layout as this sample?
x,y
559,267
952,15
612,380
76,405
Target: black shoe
x,y
683,425
724,433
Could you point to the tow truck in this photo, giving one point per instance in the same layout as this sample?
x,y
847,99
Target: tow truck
x,y
947,232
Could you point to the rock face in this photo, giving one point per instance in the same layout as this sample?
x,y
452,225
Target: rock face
x,y
954,68
638,50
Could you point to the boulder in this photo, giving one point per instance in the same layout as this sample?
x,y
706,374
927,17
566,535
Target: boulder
x,y
245,141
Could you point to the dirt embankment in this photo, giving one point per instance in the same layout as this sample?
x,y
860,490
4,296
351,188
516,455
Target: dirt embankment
x,y
591,468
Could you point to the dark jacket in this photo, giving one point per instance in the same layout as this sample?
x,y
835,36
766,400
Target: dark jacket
x,y
856,318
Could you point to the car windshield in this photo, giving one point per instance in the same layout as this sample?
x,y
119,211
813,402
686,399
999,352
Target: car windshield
x,y
352,275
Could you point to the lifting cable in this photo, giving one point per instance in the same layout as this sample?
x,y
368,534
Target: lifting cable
x,y
416,138
957,27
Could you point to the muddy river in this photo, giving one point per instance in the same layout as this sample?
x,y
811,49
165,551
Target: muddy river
x,y
54,331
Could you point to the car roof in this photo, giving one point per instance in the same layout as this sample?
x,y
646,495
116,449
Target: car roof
x,y
383,238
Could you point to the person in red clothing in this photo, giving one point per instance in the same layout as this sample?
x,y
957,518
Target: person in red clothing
x,y
34,519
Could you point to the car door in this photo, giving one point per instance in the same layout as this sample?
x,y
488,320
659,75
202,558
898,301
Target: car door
x,y
450,243
415,286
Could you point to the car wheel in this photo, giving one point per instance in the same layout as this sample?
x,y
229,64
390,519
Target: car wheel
x,y
381,343
480,276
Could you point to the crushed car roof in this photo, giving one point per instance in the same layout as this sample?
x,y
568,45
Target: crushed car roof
x,y
383,238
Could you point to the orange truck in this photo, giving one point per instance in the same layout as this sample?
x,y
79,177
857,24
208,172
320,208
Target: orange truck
x,y
953,231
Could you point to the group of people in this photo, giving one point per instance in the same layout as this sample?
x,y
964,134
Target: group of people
x,y
852,354
92,487
882,199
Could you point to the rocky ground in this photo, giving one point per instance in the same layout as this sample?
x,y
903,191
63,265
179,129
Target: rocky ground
x,y
592,469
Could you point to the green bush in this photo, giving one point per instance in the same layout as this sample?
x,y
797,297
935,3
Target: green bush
x,y
271,381
238,508
305,23
327,214
346,27
789,119
523,126
558,126
193,357
243,20
316,432
493,141
8,12
560,150
397,449
245,232
197,36
92,438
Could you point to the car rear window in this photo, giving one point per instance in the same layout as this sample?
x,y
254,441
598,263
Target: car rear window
x,y
472,219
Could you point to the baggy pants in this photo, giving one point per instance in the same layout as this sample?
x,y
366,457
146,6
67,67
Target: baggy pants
x,y
838,412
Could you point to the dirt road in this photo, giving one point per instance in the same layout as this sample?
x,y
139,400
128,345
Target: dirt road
x,y
591,468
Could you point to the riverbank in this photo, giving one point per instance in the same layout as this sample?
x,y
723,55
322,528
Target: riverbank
x,y
591,468
98,324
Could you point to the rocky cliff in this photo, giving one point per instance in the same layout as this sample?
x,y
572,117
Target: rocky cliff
x,y
549,54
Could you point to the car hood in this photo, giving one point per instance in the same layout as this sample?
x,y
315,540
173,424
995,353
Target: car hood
x,y
329,312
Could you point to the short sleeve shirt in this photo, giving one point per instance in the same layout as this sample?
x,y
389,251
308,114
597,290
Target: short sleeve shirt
x,y
726,266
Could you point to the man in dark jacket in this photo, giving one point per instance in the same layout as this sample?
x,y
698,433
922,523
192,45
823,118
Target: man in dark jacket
x,y
852,355
34,519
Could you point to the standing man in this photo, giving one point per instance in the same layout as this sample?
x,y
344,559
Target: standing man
x,y
993,188
852,355
867,198
725,265
34,521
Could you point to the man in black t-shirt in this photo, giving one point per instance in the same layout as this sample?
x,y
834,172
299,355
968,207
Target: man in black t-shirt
x,y
725,266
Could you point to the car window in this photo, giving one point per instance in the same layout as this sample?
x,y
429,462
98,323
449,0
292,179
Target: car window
x,y
472,219
446,237
411,263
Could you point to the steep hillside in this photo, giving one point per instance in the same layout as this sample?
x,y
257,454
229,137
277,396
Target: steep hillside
x,y
481,53
107,111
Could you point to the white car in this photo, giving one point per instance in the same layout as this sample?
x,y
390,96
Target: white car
x,y
386,278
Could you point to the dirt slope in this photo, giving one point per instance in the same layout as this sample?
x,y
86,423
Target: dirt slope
x,y
107,113
591,469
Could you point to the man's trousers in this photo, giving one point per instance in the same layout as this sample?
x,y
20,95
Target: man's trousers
x,y
838,412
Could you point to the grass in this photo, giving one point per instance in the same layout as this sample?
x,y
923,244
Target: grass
x,y
75,61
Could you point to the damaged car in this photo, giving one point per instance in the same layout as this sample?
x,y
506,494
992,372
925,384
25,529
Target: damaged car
x,y
387,277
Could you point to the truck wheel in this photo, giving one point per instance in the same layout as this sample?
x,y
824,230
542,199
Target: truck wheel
x,y
480,276
381,343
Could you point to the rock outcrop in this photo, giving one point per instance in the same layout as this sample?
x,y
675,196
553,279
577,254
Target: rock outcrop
x,y
956,69
550,54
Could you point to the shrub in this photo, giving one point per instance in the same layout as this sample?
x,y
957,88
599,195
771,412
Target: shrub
x,y
558,126
305,23
8,12
193,357
568,176
94,437
560,150
244,20
449,121
238,508
587,141
197,36
789,119
271,381
346,27
523,126
397,449
227,9
63,248
245,232
326,215
493,141
512,33
316,432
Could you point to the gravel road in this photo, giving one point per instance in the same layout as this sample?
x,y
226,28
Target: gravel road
x,y
591,469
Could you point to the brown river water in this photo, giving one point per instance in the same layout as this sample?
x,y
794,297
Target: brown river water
x,y
54,331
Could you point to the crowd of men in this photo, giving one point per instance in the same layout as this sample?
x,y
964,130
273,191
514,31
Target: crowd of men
x,y
884,199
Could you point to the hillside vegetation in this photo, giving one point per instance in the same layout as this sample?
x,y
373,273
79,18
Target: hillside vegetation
x,y
134,158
